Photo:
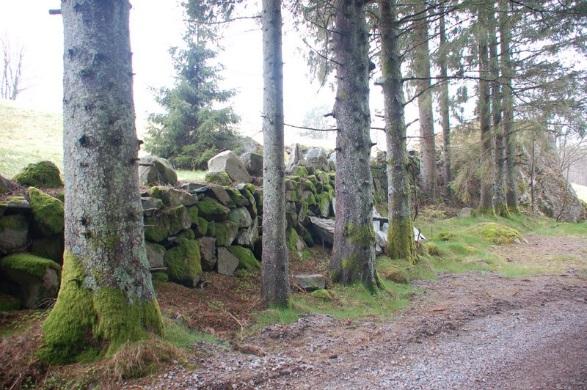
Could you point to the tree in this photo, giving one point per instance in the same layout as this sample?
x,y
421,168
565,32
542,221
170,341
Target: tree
x,y
106,297
192,129
354,239
444,98
401,232
275,282
10,79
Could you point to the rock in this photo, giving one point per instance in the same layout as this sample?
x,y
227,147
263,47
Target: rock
x,y
149,203
156,171
238,198
245,257
316,158
220,178
496,233
241,217
9,303
183,263
225,233
35,279
310,282
5,185
167,222
208,253
324,204
227,262
48,248
332,161
200,227
229,162
42,174
465,212
194,187
323,294
296,155
295,244
253,163
248,236
14,230
172,196
47,212
220,194
15,205
322,229
210,209
155,255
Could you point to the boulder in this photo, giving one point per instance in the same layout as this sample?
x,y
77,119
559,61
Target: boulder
x,y
229,162
238,198
248,236
34,279
48,248
225,233
220,194
155,255
5,185
220,178
183,263
253,163
173,196
14,230
296,155
47,212
322,230
167,222
227,262
316,158
156,171
309,282
245,257
241,217
211,209
149,203
42,174
208,253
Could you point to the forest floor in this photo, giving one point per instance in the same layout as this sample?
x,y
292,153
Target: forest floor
x,y
471,330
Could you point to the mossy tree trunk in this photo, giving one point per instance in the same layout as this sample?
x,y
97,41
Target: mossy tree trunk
x,y
487,181
106,297
275,282
401,232
444,99
424,91
354,238
499,199
507,74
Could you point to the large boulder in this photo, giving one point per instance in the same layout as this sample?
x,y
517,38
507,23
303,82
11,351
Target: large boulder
x,y
253,163
47,212
229,162
156,171
42,174
310,282
34,279
14,230
183,262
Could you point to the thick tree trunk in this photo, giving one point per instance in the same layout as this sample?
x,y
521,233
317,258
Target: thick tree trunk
x,y
444,101
354,239
507,73
424,91
106,297
487,181
401,233
275,284
499,200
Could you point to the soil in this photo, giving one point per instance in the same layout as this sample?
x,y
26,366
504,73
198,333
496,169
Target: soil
x,y
463,331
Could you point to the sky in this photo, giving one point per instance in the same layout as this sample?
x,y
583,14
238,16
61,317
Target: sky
x,y
156,26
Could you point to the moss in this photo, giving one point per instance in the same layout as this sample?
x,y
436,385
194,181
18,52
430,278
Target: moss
x,y
29,264
187,234
193,212
237,198
226,233
292,240
246,258
183,262
212,209
220,178
400,239
252,202
432,249
84,319
200,226
159,277
496,233
300,171
154,231
42,174
395,274
322,294
446,236
324,204
360,235
8,302
308,185
168,222
211,229
47,211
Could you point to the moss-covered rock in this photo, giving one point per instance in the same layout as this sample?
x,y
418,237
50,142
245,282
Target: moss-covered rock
x,y
172,196
324,204
323,294
237,197
167,222
36,278
156,171
220,178
159,277
49,248
8,302
395,274
47,212
42,174
212,210
300,170
200,227
155,255
308,185
194,214
246,258
225,233
14,231
183,262
188,234
241,217
496,233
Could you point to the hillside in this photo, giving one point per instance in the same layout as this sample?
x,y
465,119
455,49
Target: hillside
x,y
28,136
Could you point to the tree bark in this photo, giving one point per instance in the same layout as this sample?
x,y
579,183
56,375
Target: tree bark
x,y
507,73
444,101
275,282
106,297
486,190
424,91
354,238
499,199
401,232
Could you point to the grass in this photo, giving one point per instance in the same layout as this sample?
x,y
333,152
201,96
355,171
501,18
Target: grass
x,y
181,336
28,136
187,175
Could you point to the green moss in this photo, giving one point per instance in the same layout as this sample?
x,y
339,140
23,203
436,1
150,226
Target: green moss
x,y
292,240
308,185
252,201
187,234
201,226
193,212
8,302
496,233
183,262
245,257
47,211
220,178
237,198
154,231
360,235
168,222
211,229
322,294
159,277
212,209
29,264
300,171
400,239
432,249
42,174
445,236
324,204
226,233
102,320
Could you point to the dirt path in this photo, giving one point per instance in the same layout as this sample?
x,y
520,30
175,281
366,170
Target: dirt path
x,y
467,331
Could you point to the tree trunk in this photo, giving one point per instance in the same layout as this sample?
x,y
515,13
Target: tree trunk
x,y
401,233
486,190
275,282
106,297
424,91
499,200
354,238
507,73
444,101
